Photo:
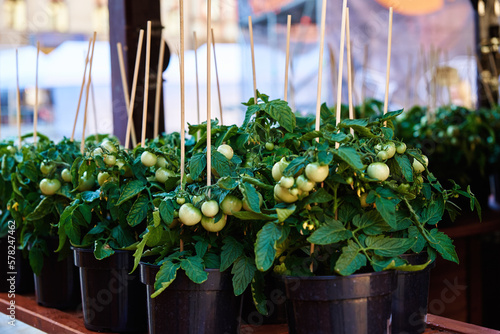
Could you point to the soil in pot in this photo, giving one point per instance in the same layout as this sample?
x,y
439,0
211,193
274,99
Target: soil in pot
x,y
112,299
58,285
358,304
23,279
409,302
189,308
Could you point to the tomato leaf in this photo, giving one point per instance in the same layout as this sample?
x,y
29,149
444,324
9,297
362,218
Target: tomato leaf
x,y
259,298
443,245
389,247
319,196
350,156
405,165
139,210
90,196
231,251
36,259
250,196
251,110
42,209
130,190
220,163
329,233
371,222
413,233
165,276
265,245
350,260
197,165
249,215
29,170
227,183
282,113
167,211
243,272
294,166
311,135
201,247
140,250
212,260
194,268
124,238
387,209
102,250
433,213
283,214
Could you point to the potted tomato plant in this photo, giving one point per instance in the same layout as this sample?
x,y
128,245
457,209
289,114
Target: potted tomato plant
x,y
39,196
363,200
103,224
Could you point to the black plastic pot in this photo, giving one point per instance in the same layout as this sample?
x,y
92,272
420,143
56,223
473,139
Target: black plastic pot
x,y
23,279
275,292
409,302
112,299
58,285
341,304
189,308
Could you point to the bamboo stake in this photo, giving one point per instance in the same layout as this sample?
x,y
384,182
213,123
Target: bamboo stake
x,y
81,89
341,66
35,109
159,88
425,70
146,85
349,69
408,81
388,73
82,144
94,109
197,79
417,74
320,65
183,105
134,87
250,27
209,92
333,74
125,89
287,59
18,102
217,78
363,83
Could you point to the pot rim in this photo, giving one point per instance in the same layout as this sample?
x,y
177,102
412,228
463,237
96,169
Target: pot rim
x,y
143,263
90,250
330,277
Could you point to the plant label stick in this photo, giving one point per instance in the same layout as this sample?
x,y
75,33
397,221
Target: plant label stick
x,y
146,86
125,88
134,88
82,144
81,89
250,29
388,71
287,59
159,87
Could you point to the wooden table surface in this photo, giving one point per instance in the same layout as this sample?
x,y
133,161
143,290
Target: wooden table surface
x,y
71,322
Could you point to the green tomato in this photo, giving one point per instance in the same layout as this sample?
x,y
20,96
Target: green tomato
x,y
148,159
401,148
109,160
210,225
269,146
108,146
278,168
295,191
66,175
378,170
418,167
226,150
210,208
161,162
189,179
284,194
11,149
86,182
97,152
102,177
304,184
382,155
47,167
162,174
287,181
349,180
316,173
390,148
197,199
231,204
49,186
127,171
189,215
180,200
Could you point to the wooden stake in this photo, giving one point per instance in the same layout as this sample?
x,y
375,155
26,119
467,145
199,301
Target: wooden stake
x,y
35,109
320,65
250,28
159,88
287,59
363,83
388,73
197,79
217,78
146,86
18,102
94,109
408,81
333,67
209,92
341,65
134,88
125,89
183,105
349,68
82,144
81,89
